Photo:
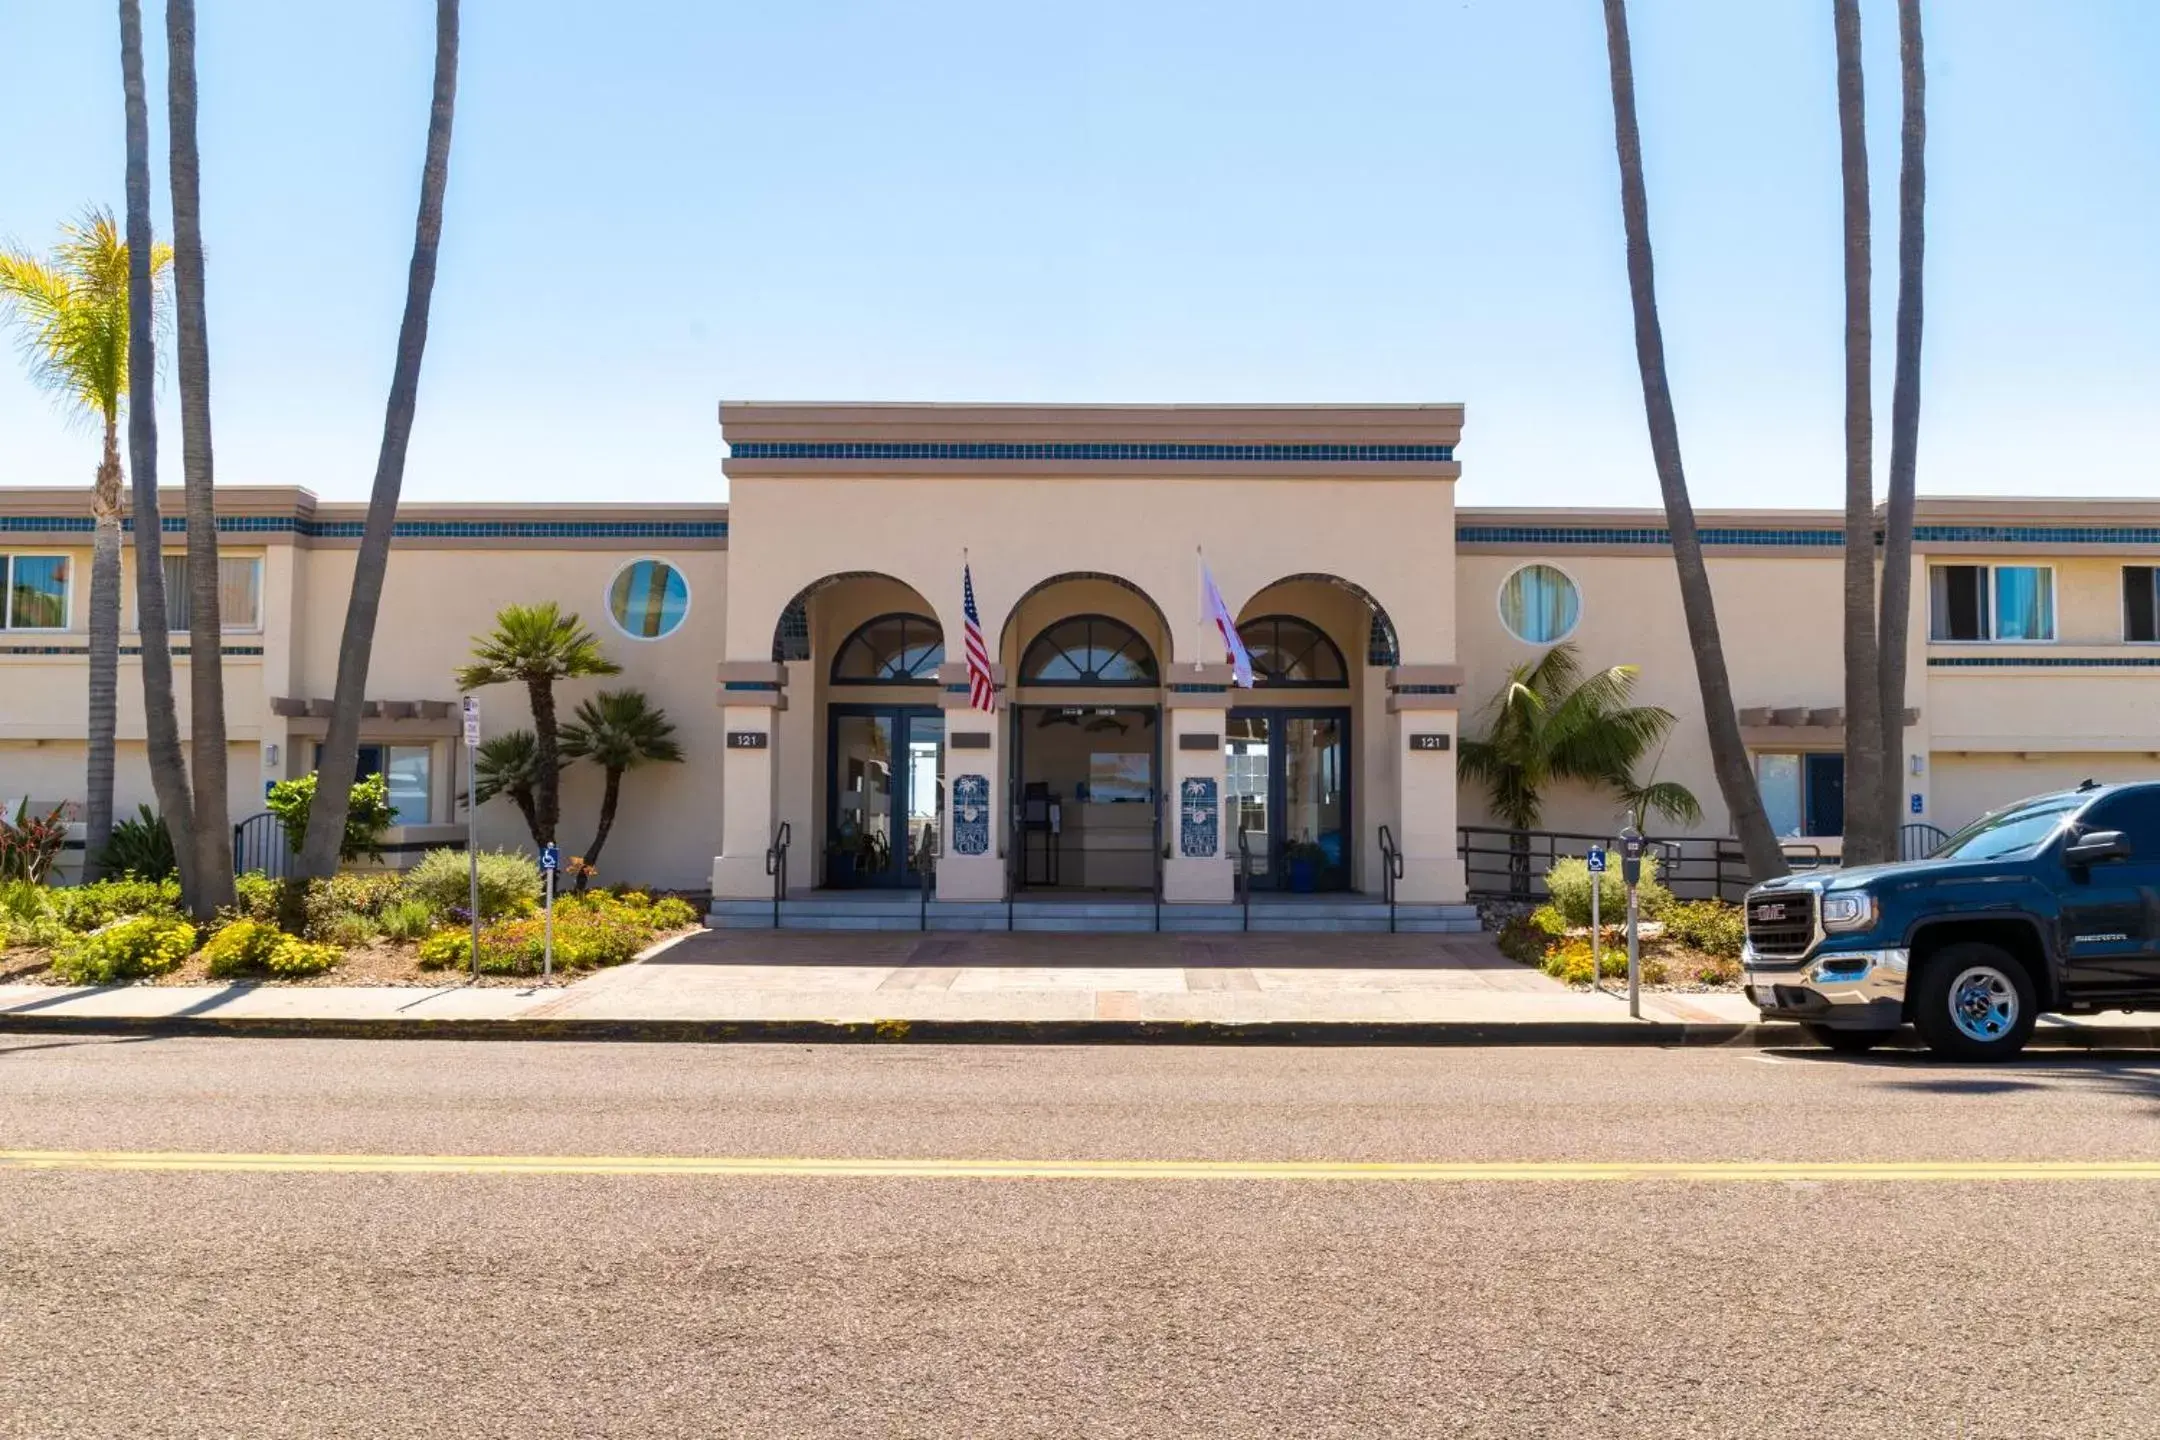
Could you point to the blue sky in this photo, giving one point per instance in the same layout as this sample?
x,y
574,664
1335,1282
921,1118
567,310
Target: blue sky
x,y
656,205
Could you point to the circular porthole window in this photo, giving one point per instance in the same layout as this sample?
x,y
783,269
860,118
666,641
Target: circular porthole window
x,y
1539,604
647,599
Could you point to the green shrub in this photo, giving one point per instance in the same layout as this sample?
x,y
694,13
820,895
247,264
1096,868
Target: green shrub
x,y
446,950
241,947
356,894
407,919
1570,961
27,916
88,907
583,941
1568,882
344,931
367,814
673,914
1523,942
294,958
126,949
1710,926
1549,920
509,882
141,847
255,896
1719,970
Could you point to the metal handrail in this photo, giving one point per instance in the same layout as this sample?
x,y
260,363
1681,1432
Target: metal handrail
x,y
926,869
1244,874
776,866
1391,870
1015,863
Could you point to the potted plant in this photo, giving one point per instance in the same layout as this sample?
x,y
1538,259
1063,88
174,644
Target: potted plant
x,y
1304,860
840,853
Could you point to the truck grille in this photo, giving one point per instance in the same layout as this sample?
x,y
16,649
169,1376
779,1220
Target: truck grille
x,y
1781,922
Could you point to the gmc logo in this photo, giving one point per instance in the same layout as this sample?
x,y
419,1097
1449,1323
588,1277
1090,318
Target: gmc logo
x,y
1769,912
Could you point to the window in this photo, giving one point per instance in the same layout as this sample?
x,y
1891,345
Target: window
x,y
410,770
1287,651
648,599
1539,604
36,593
2141,604
2136,813
239,593
1088,650
1991,602
2019,830
890,650
1803,794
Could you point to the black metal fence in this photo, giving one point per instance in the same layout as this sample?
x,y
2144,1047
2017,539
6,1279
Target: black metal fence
x,y
258,843
1503,864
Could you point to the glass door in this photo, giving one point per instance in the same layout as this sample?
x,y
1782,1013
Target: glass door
x,y
1248,792
884,791
1287,782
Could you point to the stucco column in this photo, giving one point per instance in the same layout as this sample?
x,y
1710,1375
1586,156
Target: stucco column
x,y
1424,724
752,694
1202,868
971,857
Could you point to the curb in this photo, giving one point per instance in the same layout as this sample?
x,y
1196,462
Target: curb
x,y
1441,1033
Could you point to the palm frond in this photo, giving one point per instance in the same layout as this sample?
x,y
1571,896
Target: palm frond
x,y
71,312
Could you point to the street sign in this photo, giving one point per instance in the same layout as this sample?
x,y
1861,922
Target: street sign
x,y
1597,859
1919,805
550,857
472,722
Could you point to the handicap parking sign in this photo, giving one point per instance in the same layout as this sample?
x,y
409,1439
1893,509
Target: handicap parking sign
x,y
1597,860
550,858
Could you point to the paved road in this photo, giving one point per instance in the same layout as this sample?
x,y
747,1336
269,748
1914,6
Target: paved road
x,y
320,1303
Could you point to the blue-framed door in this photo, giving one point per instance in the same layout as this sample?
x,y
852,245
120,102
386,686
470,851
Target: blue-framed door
x,y
884,791
1287,772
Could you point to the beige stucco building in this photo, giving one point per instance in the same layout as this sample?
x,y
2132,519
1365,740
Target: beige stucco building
x,y
805,639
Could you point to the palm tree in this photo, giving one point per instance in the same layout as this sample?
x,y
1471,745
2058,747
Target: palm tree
x,y
161,724
537,645
72,310
341,745
1904,415
617,730
1863,679
206,663
509,764
1728,754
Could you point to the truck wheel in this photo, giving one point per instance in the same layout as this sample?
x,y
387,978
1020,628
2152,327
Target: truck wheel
x,y
1975,1002
1846,1042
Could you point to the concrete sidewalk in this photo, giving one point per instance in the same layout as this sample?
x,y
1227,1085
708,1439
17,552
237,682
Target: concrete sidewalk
x,y
1381,989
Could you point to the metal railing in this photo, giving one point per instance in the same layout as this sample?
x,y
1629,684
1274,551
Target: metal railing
x,y
1244,876
1504,864
259,843
1391,870
925,874
1919,840
776,866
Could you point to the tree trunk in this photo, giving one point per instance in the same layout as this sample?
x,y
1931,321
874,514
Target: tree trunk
x,y
206,662
104,654
547,785
161,723
1736,779
608,796
341,746
1863,681
529,808
1904,415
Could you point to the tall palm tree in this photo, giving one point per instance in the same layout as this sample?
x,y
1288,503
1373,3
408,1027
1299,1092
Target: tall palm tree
x,y
72,310
341,745
509,764
161,723
617,730
537,646
206,660
1863,679
1728,754
1904,414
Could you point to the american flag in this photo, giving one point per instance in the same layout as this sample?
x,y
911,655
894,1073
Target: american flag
x,y
982,694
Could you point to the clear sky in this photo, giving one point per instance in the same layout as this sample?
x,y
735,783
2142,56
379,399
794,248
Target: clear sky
x,y
656,205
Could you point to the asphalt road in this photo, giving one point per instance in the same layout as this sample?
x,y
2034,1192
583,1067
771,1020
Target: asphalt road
x,y
319,1303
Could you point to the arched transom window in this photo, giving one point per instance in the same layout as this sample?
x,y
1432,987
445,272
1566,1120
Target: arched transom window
x,y
890,650
1289,651
1089,650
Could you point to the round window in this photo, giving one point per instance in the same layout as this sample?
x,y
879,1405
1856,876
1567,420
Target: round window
x,y
648,599
1540,604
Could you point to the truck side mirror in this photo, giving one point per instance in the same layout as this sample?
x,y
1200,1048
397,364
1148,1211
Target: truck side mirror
x,y
2096,847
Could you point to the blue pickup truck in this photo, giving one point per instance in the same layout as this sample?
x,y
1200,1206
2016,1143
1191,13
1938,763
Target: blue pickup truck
x,y
2049,905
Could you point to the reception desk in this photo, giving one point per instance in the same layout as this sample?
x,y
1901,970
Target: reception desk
x,y
1105,846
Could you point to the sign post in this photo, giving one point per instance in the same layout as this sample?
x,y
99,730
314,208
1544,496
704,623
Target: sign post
x,y
550,863
1596,861
1631,848
472,819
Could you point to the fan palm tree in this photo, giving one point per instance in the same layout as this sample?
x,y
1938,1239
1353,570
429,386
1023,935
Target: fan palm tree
x,y
1904,415
617,730
161,723
1728,753
1863,678
206,665
341,744
536,646
509,765
72,311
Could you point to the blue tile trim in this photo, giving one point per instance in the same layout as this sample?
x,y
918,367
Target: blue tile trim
x,y
1199,689
124,650
1425,689
767,685
1083,450
1643,535
2043,662
405,529
2037,534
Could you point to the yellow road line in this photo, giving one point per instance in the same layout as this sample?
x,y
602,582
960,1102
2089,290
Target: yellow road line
x,y
1428,1172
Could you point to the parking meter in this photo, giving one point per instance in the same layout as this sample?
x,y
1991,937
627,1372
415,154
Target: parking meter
x,y
1631,848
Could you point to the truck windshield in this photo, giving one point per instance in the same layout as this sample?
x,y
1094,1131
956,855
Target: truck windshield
x,y
2015,831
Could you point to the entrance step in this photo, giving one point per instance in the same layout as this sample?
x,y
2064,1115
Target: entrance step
x,y
903,910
